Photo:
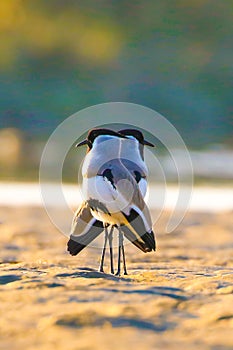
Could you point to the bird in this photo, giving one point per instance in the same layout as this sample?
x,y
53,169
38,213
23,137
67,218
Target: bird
x,y
85,227
132,156
112,198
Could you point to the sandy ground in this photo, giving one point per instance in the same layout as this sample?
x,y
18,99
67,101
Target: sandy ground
x,y
182,295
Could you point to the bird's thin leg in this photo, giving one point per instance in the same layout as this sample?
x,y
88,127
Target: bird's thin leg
x,y
120,241
104,249
123,254
110,237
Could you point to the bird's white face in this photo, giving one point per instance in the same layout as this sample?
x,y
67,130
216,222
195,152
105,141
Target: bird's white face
x,y
131,143
132,138
103,138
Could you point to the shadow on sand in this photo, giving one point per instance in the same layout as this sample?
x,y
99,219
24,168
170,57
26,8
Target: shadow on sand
x,y
166,291
174,293
9,279
95,320
91,273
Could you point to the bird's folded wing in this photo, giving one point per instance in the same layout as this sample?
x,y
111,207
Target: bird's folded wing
x,y
137,233
138,228
85,228
128,188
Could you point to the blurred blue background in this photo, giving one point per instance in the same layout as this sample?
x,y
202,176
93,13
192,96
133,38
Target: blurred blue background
x,y
58,57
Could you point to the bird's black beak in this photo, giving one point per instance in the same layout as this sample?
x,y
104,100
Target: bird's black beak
x,y
147,143
83,143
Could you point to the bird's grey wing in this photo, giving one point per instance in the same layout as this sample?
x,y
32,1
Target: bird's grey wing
x,y
139,228
126,184
85,228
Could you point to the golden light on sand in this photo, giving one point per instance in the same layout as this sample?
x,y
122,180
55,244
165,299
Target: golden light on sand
x,y
179,296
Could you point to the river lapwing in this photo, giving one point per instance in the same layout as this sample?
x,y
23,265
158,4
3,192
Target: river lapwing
x,y
112,197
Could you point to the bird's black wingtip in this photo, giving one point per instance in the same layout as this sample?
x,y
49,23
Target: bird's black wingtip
x,y
149,240
74,247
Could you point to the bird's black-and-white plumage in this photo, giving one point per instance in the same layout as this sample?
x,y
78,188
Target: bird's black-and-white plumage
x,y
106,180
112,193
132,156
85,227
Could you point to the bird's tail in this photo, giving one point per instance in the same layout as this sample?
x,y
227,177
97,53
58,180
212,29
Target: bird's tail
x,y
85,228
137,233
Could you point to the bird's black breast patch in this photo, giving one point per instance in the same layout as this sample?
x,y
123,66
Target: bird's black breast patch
x,y
137,175
109,176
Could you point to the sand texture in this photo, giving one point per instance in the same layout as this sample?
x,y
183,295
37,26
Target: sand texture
x,y
180,296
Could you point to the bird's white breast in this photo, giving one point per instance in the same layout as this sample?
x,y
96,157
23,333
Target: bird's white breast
x,y
115,199
105,148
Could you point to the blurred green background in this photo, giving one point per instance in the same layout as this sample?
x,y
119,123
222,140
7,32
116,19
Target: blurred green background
x,y
58,57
